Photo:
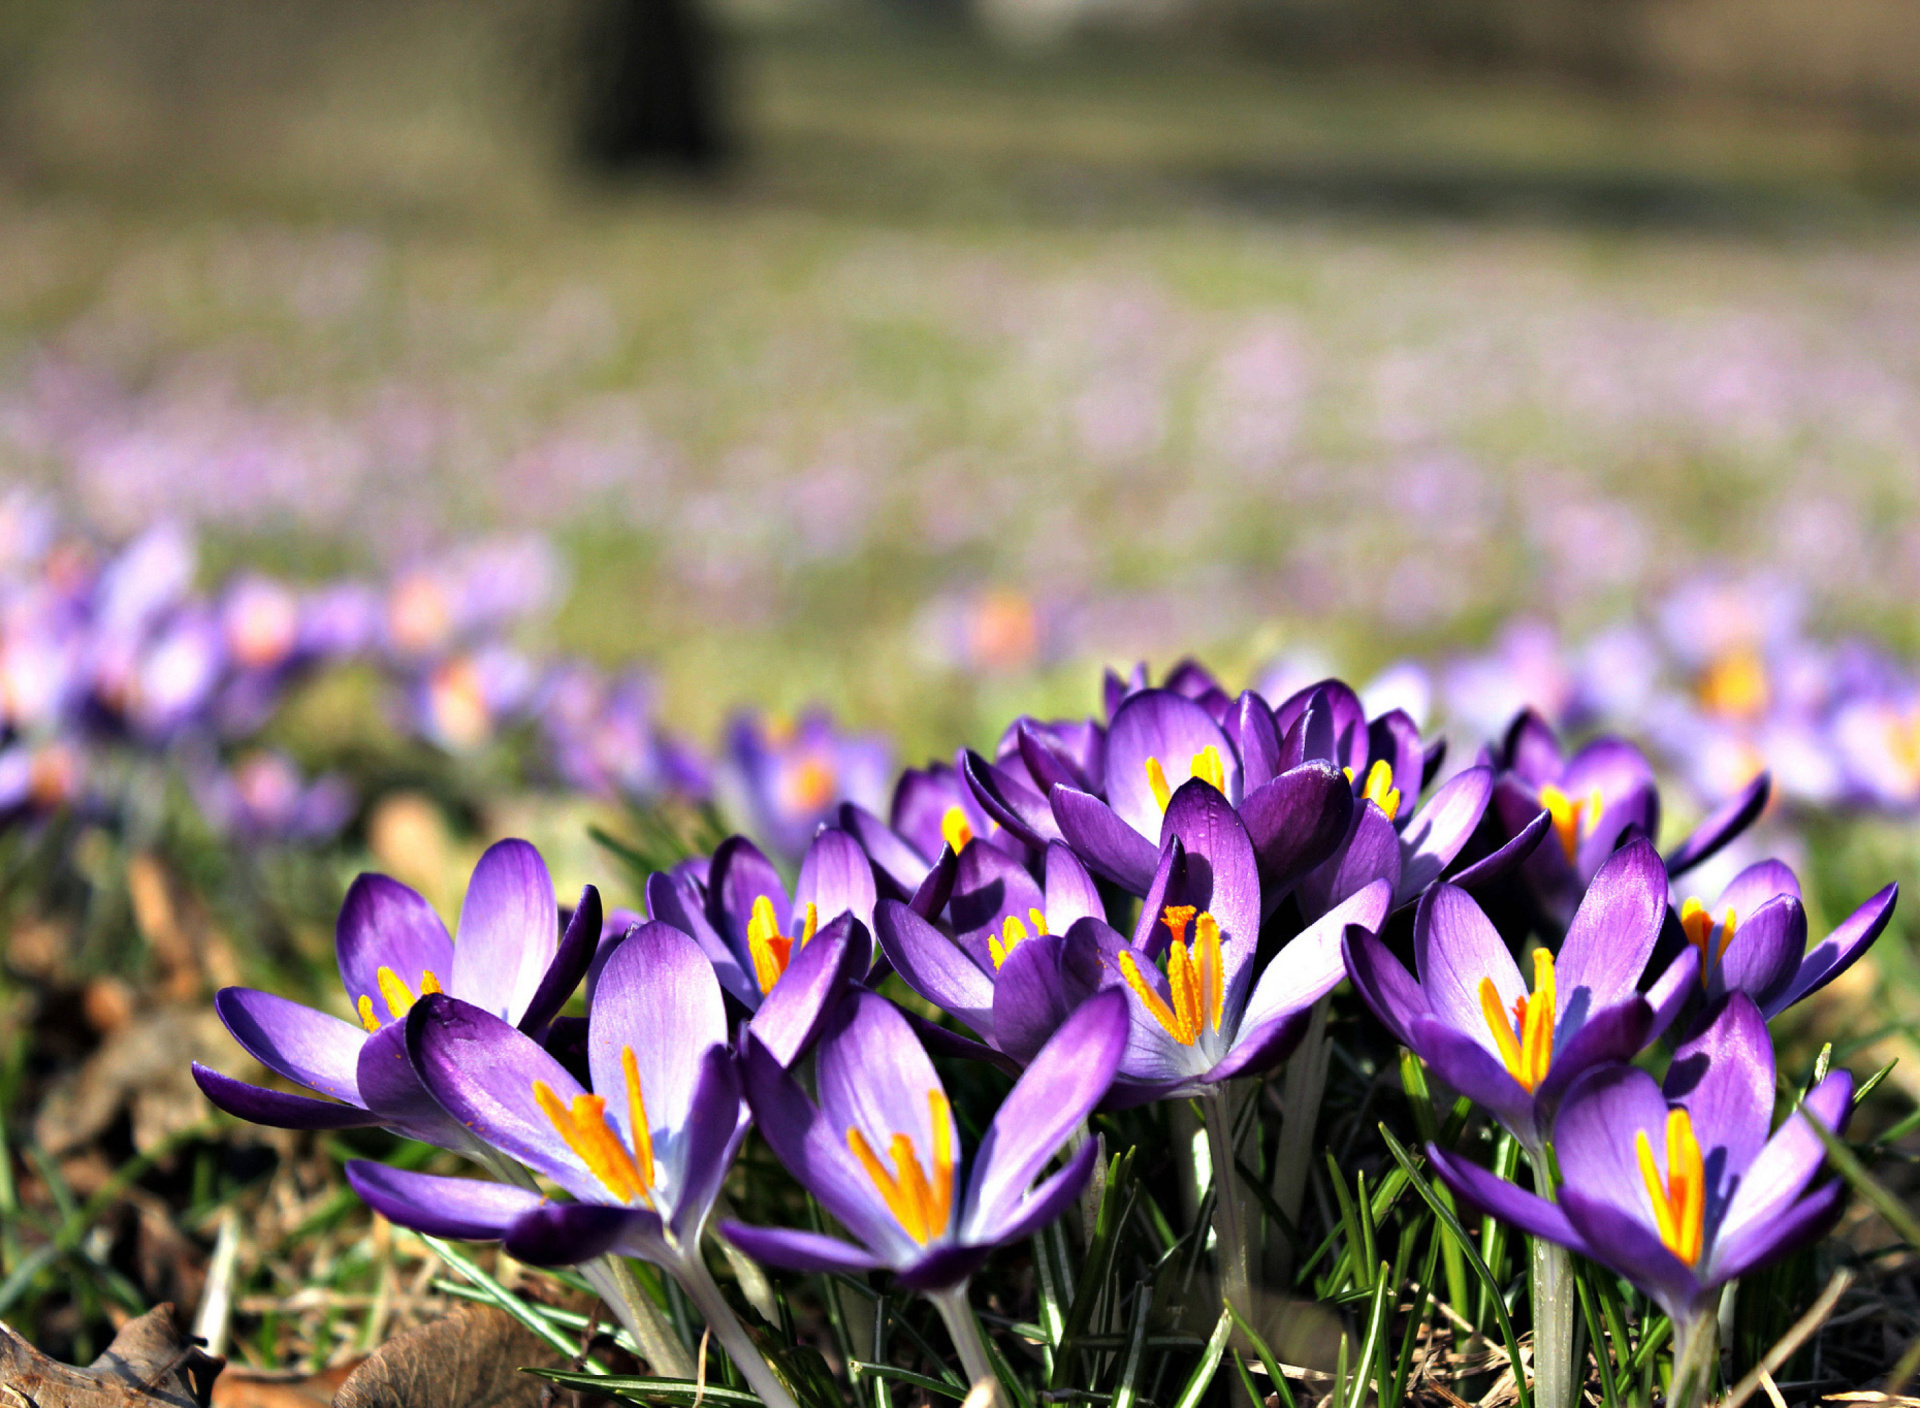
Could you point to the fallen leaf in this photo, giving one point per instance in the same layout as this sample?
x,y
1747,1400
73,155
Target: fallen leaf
x,y
150,1364
470,1359
240,1388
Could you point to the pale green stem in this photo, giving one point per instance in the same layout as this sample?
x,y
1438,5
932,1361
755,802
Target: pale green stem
x,y
1556,1382
964,1329
699,1285
1696,1355
1232,1221
653,1337
1304,1084
753,1281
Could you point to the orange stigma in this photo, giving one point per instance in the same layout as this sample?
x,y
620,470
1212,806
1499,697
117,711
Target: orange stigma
x,y
1526,1039
1573,820
921,1201
1195,976
772,950
1698,923
628,1176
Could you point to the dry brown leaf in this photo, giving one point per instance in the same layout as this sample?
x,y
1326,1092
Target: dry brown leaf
x,y
470,1359
239,1388
145,1066
150,1364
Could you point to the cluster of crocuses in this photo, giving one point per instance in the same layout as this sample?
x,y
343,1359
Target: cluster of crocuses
x,y
1150,905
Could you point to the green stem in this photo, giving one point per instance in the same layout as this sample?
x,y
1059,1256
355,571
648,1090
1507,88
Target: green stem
x,y
1696,1355
634,1309
964,1329
699,1285
1304,1084
1232,1226
1556,1384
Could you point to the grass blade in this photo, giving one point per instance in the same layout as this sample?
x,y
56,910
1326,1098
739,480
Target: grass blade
x,y
1128,1388
1201,1379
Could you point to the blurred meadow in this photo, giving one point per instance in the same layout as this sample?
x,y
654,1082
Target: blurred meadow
x,y
1572,356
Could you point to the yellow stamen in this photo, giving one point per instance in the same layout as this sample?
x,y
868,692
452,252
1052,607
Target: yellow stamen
x,y
398,995
1697,921
1525,1041
587,1133
1680,1199
367,1019
1157,780
772,950
1000,945
1380,789
922,1205
428,982
955,830
1347,773
1196,976
1206,939
637,1125
1572,820
1208,767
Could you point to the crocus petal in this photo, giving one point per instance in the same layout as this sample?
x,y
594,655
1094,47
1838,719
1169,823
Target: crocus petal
x,y
383,924
1726,822
276,1108
674,900
1058,1090
1764,954
1505,860
564,1234
1496,1197
740,875
1296,822
1616,767
790,1015
1532,750
1455,946
1476,1072
937,888
509,931
1107,844
1671,990
1251,731
1758,884
901,868
1044,1202
1260,1046
1788,1162
1614,930
1440,828
1637,814
1071,894
1395,737
1336,723
873,1076
1031,997
307,1047
836,878
391,1089
1836,953
1790,1229
1047,762
1169,887
658,998
1312,963
1632,1248
709,1137
464,1209
1009,801
1724,1076
988,886
578,942
1617,1032
1594,1137
934,966
1371,852
1380,978
941,1267
1221,874
1169,729
793,1250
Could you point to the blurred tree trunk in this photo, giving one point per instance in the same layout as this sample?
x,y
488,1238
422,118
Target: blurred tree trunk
x,y
650,91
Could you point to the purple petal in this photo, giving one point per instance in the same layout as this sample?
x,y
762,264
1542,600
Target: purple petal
x,y
790,1015
800,1251
706,1142
1836,953
1222,877
509,931
1042,1204
578,944
1724,1076
1614,930
1106,843
1758,884
674,900
1339,732
307,1047
464,1209
988,886
1048,763
276,1108
1496,1197
383,924
1032,996
1763,956
874,1076
564,1234
1059,1089
1170,729
836,878
1297,821
1395,737
1476,1072
1726,822
901,868
1370,853
658,998
1454,947
1260,1046
1636,814
941,1267
740,875
1629,1245
1251,731
934,966
937,888
1071,894
1389,989
1594,1138
1009,801
1440,828
920,804
1787,1164
1312,964
1114,690
1532,750
1615,766
1169,887
392,1090
1504,861
1671,990
1796,1226
1617,1032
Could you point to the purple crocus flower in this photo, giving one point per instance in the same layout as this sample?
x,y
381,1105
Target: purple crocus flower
x,y
1005,970
1601,793
789,777
1753,939
1679,1190
1470,1015
881,1150
782,960
511,959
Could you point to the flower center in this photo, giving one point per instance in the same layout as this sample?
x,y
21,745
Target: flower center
x,y
1679,1200
1525,1041
1379,788
1011,933
1573,819
1698,923
771,949
1195,976
955,829
1734,685
1205,765
922,1204
399,997
806,785
584,1127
